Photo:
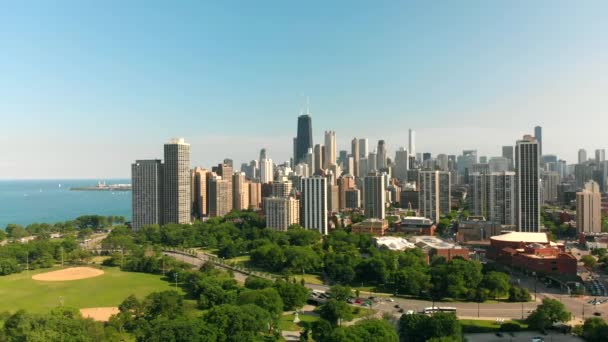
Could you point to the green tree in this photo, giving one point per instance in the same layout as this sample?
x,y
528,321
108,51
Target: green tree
x,y
340,293
166,304
422,328
369,330
294,295
519,294
238,323
412,280
595,329
549,312
497,284
257,283
302,259
340,267
589,261
335,312
267,299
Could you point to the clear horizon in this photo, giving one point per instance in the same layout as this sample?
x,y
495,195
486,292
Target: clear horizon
x,y
88,89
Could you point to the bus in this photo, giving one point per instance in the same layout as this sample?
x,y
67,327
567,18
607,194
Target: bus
x,y
434,309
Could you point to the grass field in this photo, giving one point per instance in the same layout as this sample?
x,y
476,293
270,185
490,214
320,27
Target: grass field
x,y
286,322
19,291
310,279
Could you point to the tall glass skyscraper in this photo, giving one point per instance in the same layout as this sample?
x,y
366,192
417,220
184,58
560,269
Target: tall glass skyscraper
x,y
303,139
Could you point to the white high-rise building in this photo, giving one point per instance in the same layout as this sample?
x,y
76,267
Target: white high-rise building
x,y
589,209
266,171
281,212
435,194
330,148
527,167
147,180
550,181
176,185
374,196
412,142
314,204
493,196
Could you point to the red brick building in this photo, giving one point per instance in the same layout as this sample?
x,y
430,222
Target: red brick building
x,y
449,253
532,252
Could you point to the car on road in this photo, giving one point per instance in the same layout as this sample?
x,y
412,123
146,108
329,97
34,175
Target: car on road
x,y
396,306
390,299
537,339
400,310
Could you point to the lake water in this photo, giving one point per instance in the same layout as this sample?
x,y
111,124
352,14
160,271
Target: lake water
x,y
28,201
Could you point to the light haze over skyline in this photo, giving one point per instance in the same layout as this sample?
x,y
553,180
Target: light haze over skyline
x,y
87,88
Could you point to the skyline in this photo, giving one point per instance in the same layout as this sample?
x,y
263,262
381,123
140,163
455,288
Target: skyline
x,y
84,98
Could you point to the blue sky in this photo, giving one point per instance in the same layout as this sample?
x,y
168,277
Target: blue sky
x,y
86,89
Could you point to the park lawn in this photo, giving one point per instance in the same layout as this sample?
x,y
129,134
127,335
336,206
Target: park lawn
x,y
20,291
241,260
485,326
309,279
286,322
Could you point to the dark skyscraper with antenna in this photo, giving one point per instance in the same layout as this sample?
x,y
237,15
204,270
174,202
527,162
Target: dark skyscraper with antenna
x,y
304,138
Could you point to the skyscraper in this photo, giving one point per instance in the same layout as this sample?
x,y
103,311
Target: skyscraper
x,y
266,171
199,192
402,159
412,142
507,152
176,185
589,209
354,144
538,135
381,156
220,203
240,191
600,156
549,181
318,157
527,166
330,148
225,171
304,138
434,194
147,180
493,196
374,196
345,183
442,162
582,156
363,148
372,162
314,203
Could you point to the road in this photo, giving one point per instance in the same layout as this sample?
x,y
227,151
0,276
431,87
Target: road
x,y
464,310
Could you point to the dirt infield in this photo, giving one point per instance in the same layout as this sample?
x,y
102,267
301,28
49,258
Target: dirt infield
x,y
99,314
72,273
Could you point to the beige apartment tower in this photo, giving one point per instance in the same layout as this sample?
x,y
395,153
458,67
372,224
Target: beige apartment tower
x,y
281,212
240,191
589,209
